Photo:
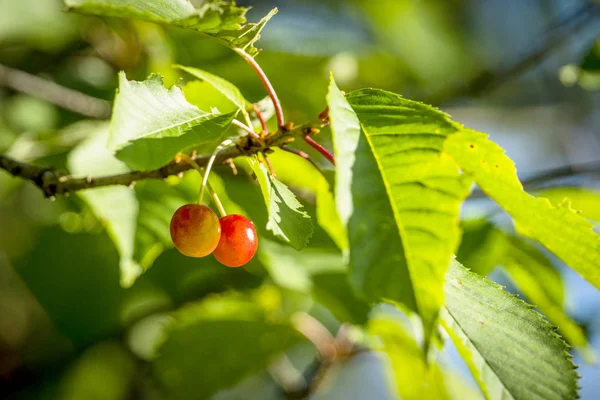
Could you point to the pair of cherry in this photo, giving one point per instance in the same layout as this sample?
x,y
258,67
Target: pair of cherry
x,y
196,231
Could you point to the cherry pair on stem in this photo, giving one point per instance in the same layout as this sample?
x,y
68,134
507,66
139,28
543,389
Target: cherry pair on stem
x,y
196,230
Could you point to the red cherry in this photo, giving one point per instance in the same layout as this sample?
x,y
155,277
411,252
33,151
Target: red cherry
x,y
238,242
195,230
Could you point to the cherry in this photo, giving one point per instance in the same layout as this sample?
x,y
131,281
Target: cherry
x,y
238,242
195,230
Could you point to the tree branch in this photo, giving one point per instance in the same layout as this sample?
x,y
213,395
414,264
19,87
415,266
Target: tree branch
x,y
557,34
53,182
66,98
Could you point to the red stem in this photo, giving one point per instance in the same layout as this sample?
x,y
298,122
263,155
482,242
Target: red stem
x,y
269,165
320,149
245,128
262,120
302,154
266,83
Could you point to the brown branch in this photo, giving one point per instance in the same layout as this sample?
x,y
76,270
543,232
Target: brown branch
x,y
54,182
64,97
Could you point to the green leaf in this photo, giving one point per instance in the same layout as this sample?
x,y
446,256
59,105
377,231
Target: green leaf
x,y
542,285
204,96
298,172
151,124
482,246
106,371
216,343
115,206
333,290
414,378
286,218
558,228
584,200
398,194
137,220
294,270
220,20
511,350
227,88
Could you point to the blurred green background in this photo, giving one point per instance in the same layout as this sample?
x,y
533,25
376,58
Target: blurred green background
x,y
527,72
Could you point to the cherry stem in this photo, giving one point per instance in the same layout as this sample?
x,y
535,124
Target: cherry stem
x,y
247,118
245,128
261,118
209,165
203,175
320,149
266,83
301,154
269,165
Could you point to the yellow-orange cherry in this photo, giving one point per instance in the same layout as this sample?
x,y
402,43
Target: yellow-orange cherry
x,y
195,230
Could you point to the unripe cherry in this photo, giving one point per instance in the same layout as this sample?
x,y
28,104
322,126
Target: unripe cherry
x,y
195,230
239,241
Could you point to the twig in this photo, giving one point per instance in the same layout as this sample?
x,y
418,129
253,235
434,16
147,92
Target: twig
x,y
245,128
555,36
316,333
66,98
320,149
54,182
261,118
209,165
302,154
203,175
267,84
269,165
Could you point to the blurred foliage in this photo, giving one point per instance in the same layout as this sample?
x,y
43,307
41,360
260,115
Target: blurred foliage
x,y
68,330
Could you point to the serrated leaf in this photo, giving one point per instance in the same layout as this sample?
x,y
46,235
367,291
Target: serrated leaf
x,y
584,200
511,350
151,124
542,285
137,220
219,341
414,378
220,20
227,88
287,220
298,172
558,228
398,195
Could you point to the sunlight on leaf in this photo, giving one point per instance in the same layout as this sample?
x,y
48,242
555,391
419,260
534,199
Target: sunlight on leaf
x,y
511,350
585,200
399,196
220,20
414,378
151,124
560,229
227,88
